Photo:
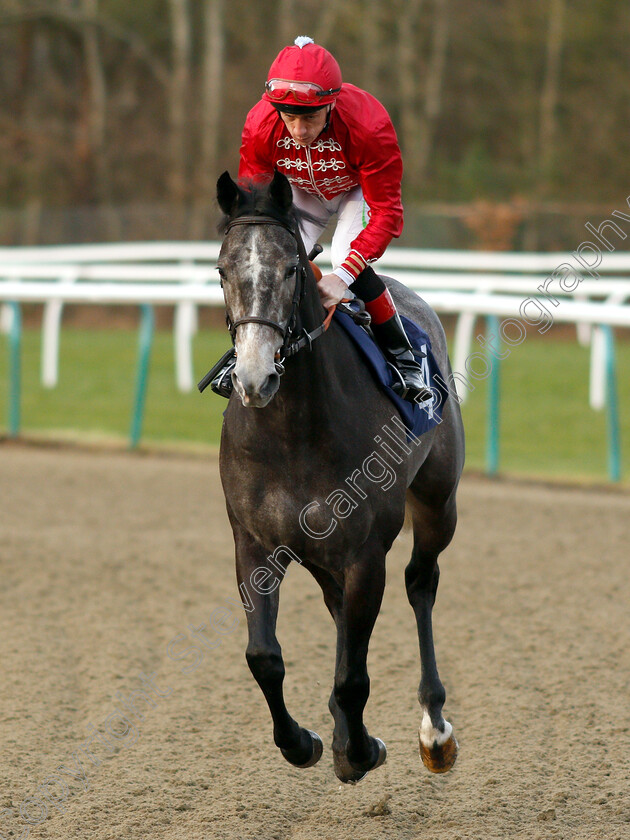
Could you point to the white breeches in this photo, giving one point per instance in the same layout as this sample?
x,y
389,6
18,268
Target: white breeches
x,y
352,214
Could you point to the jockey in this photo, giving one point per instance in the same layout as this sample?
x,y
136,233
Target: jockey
x,y
337,146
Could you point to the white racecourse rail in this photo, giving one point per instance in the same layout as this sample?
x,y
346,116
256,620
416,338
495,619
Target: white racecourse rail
x,y
467,283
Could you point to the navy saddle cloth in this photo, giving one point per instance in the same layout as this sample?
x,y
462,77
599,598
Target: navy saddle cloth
x,y
418,418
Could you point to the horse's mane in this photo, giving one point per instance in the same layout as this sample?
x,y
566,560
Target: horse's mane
x,y
255,200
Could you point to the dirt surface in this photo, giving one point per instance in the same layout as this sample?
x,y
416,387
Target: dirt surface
x,y
109,562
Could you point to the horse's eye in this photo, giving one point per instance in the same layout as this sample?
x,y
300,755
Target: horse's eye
x,y
221,275
290,271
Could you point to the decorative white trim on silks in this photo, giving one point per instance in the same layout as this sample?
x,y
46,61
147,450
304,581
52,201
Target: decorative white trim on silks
x,y
302,183
321,145
292,164
325,165
339,184
302,40
326,188
317,145
287,142
318,166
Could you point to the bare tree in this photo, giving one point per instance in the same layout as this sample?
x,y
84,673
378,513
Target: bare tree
x,y
420,90
69,18
75,74
408,64
181,77
212,108
433,87
326,21
549,93
372,45
95,73
93,121
288,21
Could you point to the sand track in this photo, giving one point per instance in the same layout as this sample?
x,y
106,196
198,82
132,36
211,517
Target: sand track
x,y
107,559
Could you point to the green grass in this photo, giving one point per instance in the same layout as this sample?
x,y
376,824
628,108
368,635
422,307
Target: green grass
x,y
95,394
546,425
547,428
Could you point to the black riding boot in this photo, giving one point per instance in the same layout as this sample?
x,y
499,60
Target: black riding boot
x,y
392,339
391,336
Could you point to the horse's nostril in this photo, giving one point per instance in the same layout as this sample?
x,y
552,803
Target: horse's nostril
x,y
255,393
271,385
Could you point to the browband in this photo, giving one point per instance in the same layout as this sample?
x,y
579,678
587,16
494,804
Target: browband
x,y
258,220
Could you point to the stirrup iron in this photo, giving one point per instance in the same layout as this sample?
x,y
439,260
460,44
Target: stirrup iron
x,y
219,377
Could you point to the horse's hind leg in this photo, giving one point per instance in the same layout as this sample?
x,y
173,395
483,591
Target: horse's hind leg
x,y
433,529
299,746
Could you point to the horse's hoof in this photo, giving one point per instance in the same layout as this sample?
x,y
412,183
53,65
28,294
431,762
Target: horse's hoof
x,y
318,749
344,771
382,753
379,747
349,773
439,758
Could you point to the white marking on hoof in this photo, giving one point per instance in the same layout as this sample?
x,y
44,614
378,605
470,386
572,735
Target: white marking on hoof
x,y
430,736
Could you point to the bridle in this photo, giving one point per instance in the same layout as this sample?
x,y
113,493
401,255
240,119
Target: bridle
x,y
294,337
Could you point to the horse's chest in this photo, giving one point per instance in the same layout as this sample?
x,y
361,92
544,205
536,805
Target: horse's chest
x,y
267,498
316,512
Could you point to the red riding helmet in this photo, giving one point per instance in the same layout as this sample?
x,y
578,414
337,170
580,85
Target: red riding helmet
x,y
304,75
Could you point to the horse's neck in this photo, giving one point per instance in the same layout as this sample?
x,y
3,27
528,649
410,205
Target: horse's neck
x,y
311,375
311,395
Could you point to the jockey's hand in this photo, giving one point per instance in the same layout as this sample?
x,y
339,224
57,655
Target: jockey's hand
x,y
332,289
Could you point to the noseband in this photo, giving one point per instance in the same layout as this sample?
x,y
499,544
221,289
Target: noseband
x,y
293,338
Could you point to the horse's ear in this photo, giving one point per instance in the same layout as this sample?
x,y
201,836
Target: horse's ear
x,y
280,192
228,193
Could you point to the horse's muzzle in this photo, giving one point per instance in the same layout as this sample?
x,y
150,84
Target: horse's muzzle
x,y
255,394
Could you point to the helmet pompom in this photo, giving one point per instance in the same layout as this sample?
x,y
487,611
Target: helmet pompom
x,y
302,40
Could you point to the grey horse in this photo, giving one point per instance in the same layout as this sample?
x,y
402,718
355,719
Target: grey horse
x,y
316,468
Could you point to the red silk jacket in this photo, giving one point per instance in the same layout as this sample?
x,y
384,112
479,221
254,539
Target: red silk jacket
x,y
359,148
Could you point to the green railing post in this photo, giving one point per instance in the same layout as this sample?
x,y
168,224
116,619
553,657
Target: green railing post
x,y
612,414
142,376
493,339
15,368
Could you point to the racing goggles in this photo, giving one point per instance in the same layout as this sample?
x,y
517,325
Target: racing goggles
x,y
306,93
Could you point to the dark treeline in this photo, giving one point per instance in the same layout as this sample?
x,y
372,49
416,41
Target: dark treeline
x,y
124,113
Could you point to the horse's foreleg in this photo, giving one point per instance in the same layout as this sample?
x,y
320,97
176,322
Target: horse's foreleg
x,y
363,592
333,598
432,532
299,746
